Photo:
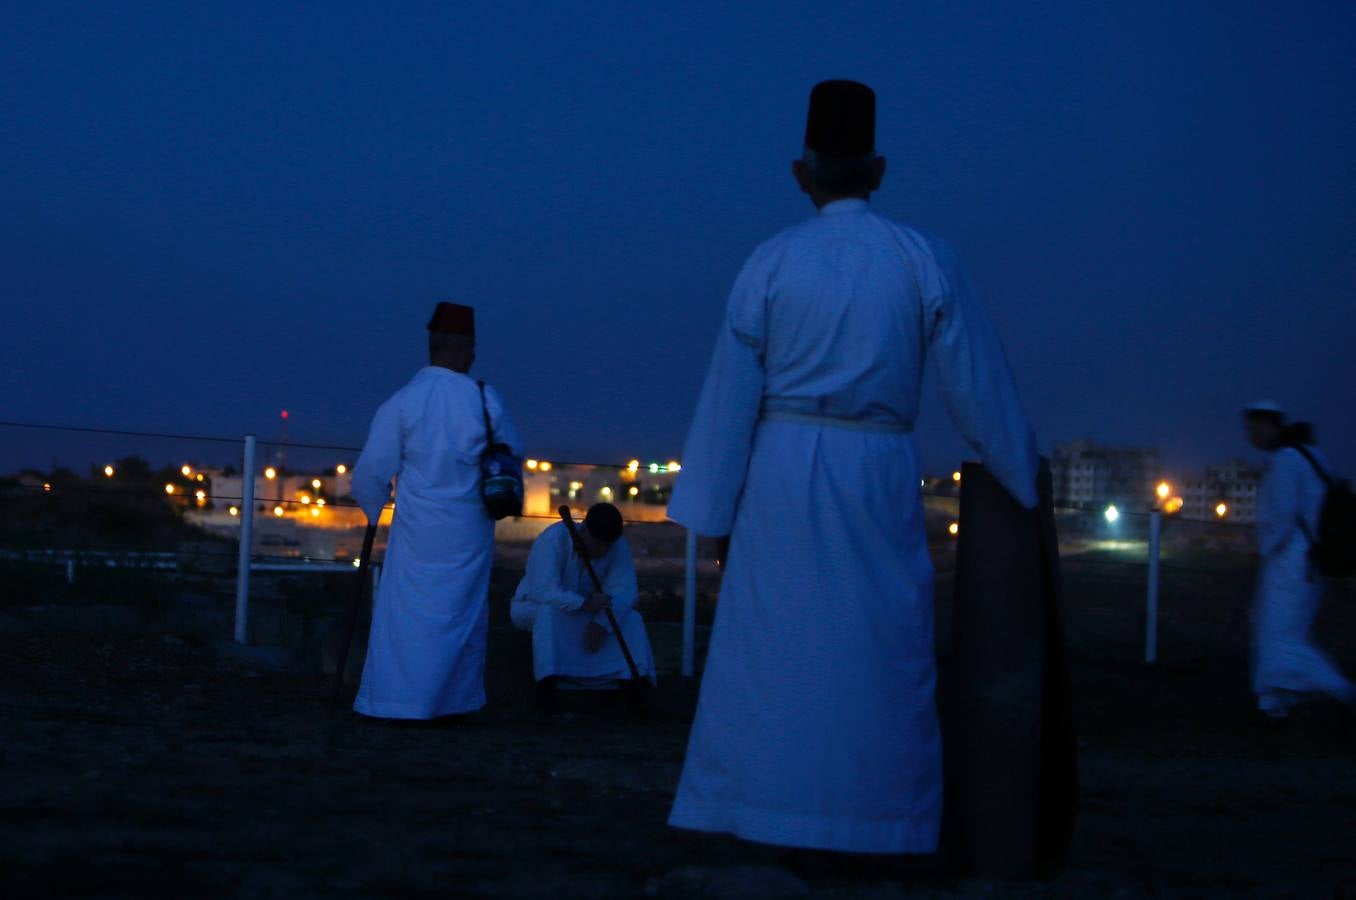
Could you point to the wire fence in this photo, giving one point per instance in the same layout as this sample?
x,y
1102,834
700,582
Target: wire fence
x,y
159,505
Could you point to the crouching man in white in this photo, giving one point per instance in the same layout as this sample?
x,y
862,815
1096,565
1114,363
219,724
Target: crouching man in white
x,y
572,643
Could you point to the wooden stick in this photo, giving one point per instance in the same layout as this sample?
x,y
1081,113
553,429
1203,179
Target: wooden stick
x,y
352,625
598,586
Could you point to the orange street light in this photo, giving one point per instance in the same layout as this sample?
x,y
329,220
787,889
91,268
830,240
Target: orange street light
x,y
544,466
185,470
340,469
320,501
234,510
1222,510
108,471
1164,490
201,495
953,528
531,464
305,499
278,511
169,489
315,483
315,513
270,473
635,491
955,476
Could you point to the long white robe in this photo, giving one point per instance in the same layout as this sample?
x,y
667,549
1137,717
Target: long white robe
x,y
1286,663
549,600
817,725
430,617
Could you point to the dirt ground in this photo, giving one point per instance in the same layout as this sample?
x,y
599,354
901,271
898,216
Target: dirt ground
x,y
148,764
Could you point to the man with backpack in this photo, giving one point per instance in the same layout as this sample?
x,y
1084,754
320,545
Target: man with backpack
x,y
430,617
1300,510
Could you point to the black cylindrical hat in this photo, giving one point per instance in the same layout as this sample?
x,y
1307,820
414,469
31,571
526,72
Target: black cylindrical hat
x,y
842,120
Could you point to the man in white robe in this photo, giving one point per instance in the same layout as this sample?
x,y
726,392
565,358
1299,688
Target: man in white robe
x,y
1287,665
557,602
816,726
430,616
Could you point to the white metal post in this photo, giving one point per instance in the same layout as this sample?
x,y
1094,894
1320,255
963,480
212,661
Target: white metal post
x,y
242,575
1151,615
690,606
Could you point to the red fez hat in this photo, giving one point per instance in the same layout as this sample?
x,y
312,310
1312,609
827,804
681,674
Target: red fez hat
x,y
453,318
842,120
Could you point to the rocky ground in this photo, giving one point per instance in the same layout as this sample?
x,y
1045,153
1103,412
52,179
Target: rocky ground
x,y
139,763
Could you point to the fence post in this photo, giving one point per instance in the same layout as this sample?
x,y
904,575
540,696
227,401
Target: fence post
x,y
690,605
1151,613
242,579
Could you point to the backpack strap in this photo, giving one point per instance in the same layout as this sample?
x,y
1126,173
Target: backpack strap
x,y
485,411
1305,452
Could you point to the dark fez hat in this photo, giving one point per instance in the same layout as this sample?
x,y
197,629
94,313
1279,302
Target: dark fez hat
x,y
604,522
842,120
453,318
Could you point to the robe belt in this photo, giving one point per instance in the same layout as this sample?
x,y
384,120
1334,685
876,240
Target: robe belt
x,y
835,422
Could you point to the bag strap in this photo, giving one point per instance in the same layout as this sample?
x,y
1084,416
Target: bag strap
x,y
1304,451
485,411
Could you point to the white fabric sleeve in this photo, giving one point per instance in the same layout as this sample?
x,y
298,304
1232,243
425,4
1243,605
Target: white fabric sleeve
x,y
379,461
976,382
545,563
619,583
1280,512
720,441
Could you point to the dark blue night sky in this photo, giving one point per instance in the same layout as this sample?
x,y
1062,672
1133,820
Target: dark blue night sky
x,y
213,212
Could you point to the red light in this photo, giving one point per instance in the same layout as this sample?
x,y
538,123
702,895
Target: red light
x,y
284,414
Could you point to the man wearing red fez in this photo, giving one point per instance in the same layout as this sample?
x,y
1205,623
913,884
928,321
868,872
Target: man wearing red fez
x,y
430,617
817,726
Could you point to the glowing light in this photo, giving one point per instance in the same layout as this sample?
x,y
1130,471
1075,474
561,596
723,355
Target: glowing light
x,y
169,489
278,511
234,510
635,491
545,466
531,464
1222,510
340,469
284,414
201,495
315,483
1173,505
606,492
357,562
576,485
47,487
108,471
953,529
185,471
270,473
200,477
314,512
674,467
320,501
633,466
1112,514
654,467
1164,490
305,499
955,476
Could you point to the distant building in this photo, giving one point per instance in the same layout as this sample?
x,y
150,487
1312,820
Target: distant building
x,y
1233,484
1087,474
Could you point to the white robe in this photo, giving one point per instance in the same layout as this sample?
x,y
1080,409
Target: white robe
x,y
816,725
548,603
430,617
1286,663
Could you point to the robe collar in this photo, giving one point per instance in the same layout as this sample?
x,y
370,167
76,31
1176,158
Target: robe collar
x,y
849,205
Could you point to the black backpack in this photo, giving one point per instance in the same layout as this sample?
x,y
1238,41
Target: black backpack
x,y
501,473
1333,549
